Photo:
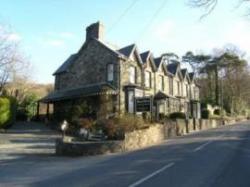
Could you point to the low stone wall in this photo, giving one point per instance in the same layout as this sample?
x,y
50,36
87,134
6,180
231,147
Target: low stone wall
x,y
182,127
88,148
170,129
138,139
145,137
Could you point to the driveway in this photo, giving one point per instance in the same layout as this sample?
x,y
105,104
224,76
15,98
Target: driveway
x,y
27,139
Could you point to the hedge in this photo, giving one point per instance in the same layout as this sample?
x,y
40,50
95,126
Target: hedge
x,y
7,112
205,114
177,115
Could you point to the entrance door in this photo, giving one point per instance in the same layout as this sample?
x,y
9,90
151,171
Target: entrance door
x,y
130,101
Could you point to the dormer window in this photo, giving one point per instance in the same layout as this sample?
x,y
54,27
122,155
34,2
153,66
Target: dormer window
x,y
132,74
110,72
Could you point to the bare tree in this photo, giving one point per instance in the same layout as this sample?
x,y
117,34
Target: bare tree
x,y
12,61
209,5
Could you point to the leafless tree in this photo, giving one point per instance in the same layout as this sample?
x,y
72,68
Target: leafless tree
x,y
12,61
209,5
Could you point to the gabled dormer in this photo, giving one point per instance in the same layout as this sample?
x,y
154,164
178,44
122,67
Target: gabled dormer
x,y
161,66
132,53
149,69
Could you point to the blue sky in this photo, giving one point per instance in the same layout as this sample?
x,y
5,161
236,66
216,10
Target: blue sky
x,y
50,30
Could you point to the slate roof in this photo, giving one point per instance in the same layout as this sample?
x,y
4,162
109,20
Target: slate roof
x,y
66,64
191,75
87,90
172,68
127,50
184,72
158,61
144,56
161,95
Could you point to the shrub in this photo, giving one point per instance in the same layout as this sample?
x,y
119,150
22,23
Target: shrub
x,y
146,117
85,123
21,115
116,127
177,115
217,112
7,112
205,114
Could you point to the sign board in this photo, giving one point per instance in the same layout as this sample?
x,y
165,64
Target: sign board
x,y
143,104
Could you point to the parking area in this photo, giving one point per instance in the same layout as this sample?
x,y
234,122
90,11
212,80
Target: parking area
x,y
27,139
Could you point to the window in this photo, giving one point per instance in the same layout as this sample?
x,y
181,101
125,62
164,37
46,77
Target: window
x,y
171,89
187,93
178,88
161,82
110,72
130,102
148,79
132,74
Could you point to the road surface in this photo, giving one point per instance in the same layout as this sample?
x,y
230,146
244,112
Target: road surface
x,y
218,157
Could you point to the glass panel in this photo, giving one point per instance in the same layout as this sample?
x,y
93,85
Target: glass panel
x,y
110,72
131,102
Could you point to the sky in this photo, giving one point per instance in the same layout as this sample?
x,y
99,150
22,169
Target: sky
x,y
49,31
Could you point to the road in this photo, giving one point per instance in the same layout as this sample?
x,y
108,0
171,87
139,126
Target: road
x,y
218,157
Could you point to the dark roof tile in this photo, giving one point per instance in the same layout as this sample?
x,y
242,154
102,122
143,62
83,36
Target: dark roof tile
x,y
63,68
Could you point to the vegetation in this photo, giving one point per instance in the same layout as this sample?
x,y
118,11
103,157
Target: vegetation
x,y
177,115
209,5
7,112
116,127
205,114
223,77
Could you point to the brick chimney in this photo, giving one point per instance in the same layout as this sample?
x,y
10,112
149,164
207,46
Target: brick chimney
x,y
95,30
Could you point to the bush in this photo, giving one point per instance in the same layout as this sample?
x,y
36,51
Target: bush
x,y
7,111
115,128
217,112
22,115
177,115
205,114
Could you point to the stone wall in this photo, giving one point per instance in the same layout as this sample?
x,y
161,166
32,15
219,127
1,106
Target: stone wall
x,y
145,137
88,148
138,139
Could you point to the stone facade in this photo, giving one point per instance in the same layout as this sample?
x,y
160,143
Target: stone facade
x,y
124,70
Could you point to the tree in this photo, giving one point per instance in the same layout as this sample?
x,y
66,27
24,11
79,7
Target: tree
x,y
209,5
224,78
196,62
170,57
12,61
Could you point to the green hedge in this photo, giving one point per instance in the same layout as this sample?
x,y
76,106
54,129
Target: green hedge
x,y
177,115
7,112
205,114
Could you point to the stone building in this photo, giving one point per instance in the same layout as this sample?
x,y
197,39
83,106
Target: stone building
x,y
108,79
